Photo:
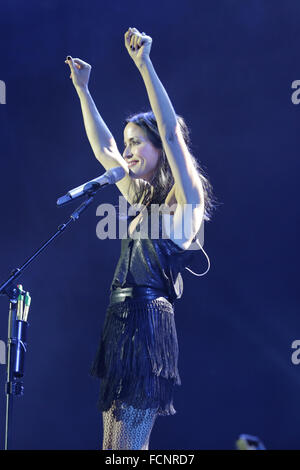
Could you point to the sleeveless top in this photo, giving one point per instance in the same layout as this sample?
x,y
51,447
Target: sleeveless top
x,y
156,262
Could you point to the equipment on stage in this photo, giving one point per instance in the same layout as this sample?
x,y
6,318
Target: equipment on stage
x,y
111,176
247,442
18,312
16,349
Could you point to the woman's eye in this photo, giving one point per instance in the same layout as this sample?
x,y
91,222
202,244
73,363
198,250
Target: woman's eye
x,y
132,142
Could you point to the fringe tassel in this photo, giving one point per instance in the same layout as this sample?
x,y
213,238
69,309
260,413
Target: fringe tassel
x,y
138,355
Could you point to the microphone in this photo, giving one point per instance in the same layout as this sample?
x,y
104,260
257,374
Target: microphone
x,y
111,176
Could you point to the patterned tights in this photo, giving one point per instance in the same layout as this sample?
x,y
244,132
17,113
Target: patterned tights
x,y
126,427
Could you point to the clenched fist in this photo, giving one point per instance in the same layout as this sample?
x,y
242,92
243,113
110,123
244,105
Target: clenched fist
x,y
138,45
80,72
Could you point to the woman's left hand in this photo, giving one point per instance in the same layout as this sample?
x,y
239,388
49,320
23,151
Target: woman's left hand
x,y
138,45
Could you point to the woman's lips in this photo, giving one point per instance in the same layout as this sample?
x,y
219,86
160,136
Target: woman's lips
x,y
132,163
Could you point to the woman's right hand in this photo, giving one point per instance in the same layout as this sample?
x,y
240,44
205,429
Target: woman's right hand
x,y
80,72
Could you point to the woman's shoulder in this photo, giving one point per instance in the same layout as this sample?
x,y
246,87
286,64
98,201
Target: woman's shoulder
x,y
179,227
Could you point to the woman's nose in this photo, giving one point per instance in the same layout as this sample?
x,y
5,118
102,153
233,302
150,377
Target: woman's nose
x,y
127,153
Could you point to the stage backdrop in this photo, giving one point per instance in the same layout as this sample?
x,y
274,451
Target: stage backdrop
x,y
228,67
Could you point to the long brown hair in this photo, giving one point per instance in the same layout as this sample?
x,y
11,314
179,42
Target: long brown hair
x,y
162,182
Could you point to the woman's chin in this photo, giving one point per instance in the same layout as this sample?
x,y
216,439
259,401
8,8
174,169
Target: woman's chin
x,y
139,174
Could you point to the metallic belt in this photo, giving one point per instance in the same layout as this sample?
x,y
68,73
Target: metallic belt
x,y
137,292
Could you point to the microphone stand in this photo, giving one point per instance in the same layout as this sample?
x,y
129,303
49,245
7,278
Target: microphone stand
x,y
17,329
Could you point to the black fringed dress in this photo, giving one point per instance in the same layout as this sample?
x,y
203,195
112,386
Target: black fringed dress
x,y
137,357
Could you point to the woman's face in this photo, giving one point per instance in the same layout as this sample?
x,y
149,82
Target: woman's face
x,y
140,154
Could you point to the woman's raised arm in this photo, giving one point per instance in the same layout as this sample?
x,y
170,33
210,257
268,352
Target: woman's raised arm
x,y
102,141
100,137
187,181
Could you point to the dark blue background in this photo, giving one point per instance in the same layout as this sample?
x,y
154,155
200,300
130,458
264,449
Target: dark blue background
x,y
228,66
